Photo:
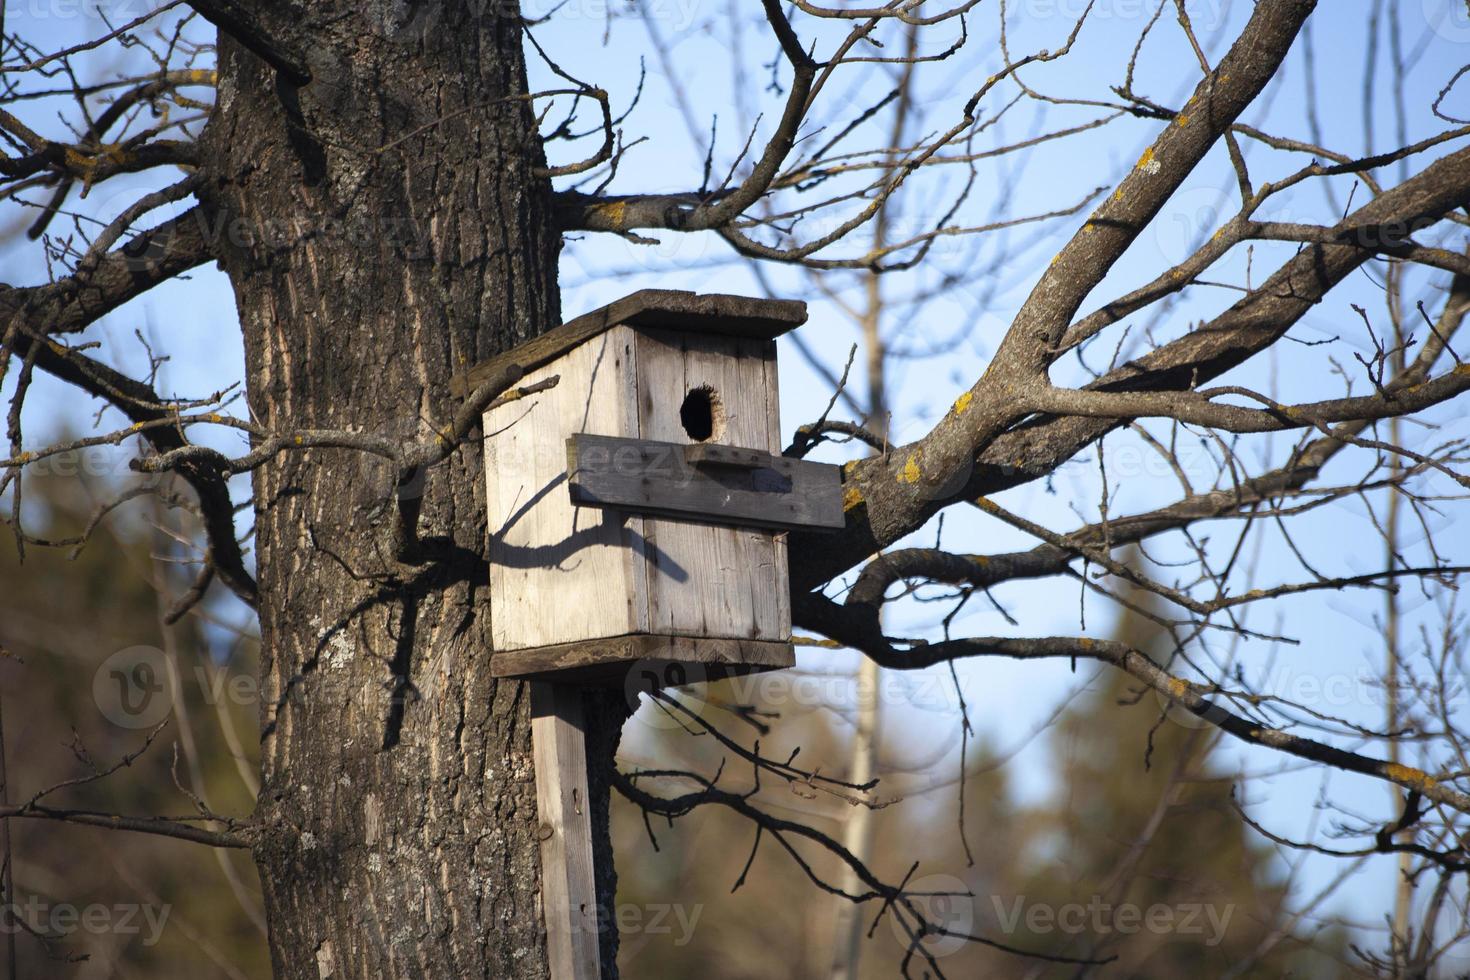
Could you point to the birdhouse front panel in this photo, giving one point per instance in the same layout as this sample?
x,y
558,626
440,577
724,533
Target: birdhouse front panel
x,y
708,580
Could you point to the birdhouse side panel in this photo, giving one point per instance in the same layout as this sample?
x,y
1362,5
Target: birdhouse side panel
x,y
782,587
707,580
558,573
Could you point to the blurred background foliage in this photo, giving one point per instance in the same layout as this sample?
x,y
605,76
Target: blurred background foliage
x,y
60,619
1143,816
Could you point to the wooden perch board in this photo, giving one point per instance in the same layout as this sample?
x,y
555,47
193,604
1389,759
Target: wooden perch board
x,y
724,485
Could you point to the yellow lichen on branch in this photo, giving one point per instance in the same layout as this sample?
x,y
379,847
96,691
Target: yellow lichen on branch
x,y
1408,776
613,212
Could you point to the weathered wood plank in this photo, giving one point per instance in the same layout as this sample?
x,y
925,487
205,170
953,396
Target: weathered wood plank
x,y
650,477
712,454
740,316
708,581
560,573
781,574
568,889
607,662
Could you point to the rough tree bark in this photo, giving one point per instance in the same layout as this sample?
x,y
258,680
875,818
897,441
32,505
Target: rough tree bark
x,y
385,226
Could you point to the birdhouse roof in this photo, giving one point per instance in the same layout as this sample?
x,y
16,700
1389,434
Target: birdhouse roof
x,y
672,309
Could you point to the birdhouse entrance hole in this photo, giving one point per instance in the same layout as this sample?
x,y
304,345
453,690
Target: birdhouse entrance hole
x,y
701,413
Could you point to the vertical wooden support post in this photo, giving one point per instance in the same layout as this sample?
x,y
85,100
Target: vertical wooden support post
x,y
568,891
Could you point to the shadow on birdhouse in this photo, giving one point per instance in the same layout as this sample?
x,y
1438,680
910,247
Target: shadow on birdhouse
x,y
637,509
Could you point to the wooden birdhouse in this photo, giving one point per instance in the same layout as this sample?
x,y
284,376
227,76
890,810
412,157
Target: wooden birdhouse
x,y
638,509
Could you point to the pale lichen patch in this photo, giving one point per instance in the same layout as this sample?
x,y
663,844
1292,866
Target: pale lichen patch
x,y
1148,164
326,963
339,652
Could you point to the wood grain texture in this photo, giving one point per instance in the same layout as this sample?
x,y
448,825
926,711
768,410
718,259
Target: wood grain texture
x,y
710,581
740,487
716,313
559,573
779,555
568,891
621,661
713,454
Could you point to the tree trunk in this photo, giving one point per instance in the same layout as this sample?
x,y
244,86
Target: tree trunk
x,y
385,227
